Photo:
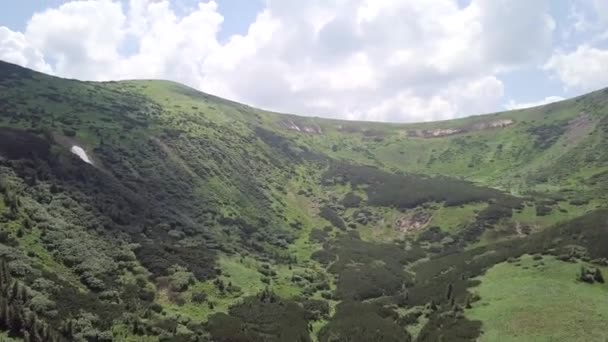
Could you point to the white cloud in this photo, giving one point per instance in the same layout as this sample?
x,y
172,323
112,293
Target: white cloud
x,y
517,105
586,68
16,49
362,59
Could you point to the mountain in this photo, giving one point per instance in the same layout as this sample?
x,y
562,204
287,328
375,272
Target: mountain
x,y
149,211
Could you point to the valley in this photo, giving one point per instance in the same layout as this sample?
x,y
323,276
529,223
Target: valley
x,y
149,211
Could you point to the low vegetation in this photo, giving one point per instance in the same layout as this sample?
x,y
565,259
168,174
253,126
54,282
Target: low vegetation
x,y
201,219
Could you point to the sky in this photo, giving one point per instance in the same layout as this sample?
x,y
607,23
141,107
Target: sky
x,y
378,60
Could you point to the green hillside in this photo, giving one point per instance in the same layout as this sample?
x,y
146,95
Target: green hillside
x,y
149,211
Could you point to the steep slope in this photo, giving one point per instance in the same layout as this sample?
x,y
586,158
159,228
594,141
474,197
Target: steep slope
x,y
146,210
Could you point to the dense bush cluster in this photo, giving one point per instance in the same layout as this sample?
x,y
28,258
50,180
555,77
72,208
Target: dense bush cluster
x,y
362,322
408,190
366,270
330,215
546,135
265,317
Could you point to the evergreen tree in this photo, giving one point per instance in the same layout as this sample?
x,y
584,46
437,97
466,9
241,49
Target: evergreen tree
x,y
4,319
449,291
598,276
5,275
468,303
15,292
15,319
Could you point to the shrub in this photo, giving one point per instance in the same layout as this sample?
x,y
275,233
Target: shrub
x,y
331,216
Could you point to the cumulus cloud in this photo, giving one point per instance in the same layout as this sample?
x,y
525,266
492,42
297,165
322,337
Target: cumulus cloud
x,y
517,105
15,48
586,68
386,60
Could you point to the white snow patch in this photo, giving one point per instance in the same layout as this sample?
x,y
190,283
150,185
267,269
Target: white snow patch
x,y
79,151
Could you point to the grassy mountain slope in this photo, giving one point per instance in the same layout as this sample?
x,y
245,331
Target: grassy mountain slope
x,y
203,219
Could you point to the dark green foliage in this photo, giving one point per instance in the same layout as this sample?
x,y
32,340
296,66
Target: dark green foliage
x,y
262,318
362,322
598,276
546,135
408,190
15,316
449,328
330,215
367,270
486,219
158,258
351,200
315,309
591,275
199,297
542,210
432,234
17,144
319,235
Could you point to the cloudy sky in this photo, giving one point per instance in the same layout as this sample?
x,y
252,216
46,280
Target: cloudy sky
x,y
382,60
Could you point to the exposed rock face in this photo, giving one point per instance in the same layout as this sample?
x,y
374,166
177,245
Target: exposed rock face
x,y
292,126
435,133
492,124
412,222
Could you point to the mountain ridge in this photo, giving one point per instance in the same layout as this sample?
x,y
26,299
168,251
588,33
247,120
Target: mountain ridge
x,y
204,219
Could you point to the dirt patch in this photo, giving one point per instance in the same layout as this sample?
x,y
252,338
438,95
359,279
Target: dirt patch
x,y
413,222
311,129
480,126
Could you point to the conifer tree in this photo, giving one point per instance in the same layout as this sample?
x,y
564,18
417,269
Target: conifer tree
x,y
5,275
468,302
598,276
448,293
15,292
4,319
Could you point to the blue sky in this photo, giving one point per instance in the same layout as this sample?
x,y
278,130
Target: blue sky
x,y
384,60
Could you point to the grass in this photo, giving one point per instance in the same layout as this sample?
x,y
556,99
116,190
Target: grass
x,y
5,338
540,300
450,219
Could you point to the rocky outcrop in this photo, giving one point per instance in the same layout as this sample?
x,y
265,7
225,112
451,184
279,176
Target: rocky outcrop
x,y
443,132
311,129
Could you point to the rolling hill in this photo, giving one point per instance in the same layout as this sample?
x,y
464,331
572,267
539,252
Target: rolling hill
x,y
149,211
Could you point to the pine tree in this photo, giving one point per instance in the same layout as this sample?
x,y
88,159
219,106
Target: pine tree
x,y
23,296
583,272
15,319
30,321
468,303
598,276
4,319
5,275
68,329
448,293
15,292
